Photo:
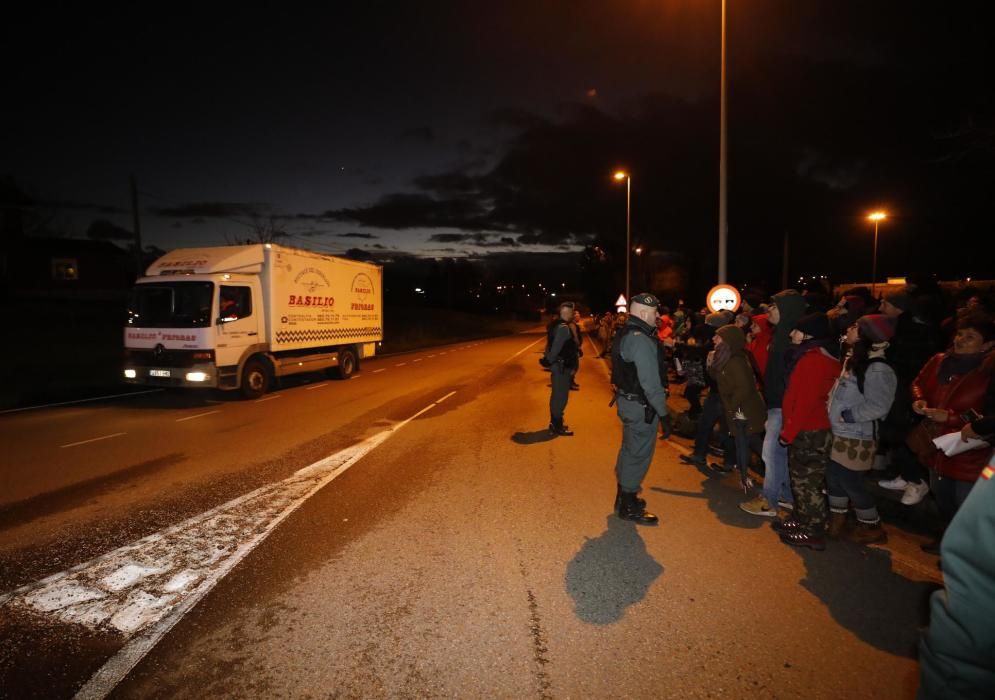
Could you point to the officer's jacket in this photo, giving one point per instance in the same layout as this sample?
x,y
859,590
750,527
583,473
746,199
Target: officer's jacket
x,y
640,348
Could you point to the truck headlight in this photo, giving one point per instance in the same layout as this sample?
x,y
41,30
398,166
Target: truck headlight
x,y
130,374
196,376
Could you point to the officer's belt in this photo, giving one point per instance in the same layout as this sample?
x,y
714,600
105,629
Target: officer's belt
x,y
631,397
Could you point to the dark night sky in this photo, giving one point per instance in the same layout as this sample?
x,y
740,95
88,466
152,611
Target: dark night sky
x,y
441,129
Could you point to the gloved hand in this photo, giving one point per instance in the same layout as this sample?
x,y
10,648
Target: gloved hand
x,y
667,422
544,362
782,443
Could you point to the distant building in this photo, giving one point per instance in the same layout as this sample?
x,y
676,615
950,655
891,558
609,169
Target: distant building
x,y
64,268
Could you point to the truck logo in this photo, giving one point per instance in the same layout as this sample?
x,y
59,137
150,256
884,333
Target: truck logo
x,y
311,279
362,289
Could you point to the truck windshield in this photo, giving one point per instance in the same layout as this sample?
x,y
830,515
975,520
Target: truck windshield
x,y
171,305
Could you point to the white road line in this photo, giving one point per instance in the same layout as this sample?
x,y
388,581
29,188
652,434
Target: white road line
x,y
438,401
379,370
431,355
418,360
144,588
70,403
316,386
199,415
355,376
97,439
401,364
522,350
268,398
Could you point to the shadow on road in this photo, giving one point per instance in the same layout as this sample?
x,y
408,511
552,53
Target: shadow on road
x,y
532,438
610,573
724,494
864,595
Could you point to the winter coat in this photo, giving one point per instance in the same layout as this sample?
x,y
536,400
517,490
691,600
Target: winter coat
x,y
965,392
791,306
957,652
737,385
666,330
807,396
862,410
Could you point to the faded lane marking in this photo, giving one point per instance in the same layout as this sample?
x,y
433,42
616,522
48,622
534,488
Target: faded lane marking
x,y
199,415
522,350
141,590
316,386
401,364
96,439
78,401
268,398
379,370
418,360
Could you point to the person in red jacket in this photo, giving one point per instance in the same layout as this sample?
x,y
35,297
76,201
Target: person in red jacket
x,y
811,371
950,390
758,349
665,327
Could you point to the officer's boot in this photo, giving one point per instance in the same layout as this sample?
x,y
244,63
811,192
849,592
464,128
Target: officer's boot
x,y
618,501
631,510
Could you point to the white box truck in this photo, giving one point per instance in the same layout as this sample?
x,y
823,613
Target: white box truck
x,y
240,317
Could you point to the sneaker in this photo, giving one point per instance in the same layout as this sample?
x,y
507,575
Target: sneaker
x,y
896,484
787,525
914,493
717,451
758,506
787,506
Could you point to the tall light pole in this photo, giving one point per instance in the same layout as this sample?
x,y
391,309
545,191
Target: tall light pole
x,y
723,162
622,175
877,217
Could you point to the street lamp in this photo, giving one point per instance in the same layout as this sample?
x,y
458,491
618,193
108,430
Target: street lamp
x,y
877,217
723,162
619,176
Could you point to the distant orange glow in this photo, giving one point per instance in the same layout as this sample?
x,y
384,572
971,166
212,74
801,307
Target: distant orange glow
x,y
621,175
877,216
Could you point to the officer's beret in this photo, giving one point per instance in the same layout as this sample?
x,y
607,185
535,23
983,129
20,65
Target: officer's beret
x,y
646,299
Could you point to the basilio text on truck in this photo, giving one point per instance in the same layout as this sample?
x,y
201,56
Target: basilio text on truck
x,y
240,317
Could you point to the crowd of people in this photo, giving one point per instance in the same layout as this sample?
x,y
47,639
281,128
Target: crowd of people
x,y
817,395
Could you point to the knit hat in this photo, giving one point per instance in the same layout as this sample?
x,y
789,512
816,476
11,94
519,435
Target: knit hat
x,y
900,300
720,318
815,325
877,327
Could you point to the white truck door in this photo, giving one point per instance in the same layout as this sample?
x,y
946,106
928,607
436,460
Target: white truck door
x,y
239,321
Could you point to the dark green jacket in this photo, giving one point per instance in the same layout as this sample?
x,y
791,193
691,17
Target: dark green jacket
x,y
791,305
738,384
957,653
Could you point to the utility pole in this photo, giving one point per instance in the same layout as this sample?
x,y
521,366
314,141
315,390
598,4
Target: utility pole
x,y
723,163
137,225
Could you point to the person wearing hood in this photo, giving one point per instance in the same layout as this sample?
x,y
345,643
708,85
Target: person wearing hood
x,y
812,370
861,397
711,412
745,411
783,312
914,342
758,345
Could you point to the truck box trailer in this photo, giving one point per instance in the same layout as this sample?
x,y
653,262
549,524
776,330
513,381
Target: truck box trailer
x,y
241,317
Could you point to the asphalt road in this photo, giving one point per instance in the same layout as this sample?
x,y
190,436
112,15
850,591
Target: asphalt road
x,y
415,532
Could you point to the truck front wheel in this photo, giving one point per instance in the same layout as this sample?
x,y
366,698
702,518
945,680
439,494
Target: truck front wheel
x,y
255,379
347,364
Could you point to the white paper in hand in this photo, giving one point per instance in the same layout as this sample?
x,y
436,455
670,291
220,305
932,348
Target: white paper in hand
x,y
953,444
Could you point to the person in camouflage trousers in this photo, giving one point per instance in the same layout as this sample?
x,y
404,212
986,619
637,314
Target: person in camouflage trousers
x,y
812,370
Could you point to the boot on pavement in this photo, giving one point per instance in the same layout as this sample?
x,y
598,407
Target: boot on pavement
x,y
837,525
563,430
618,501
803,538
629,509
788,524
867,533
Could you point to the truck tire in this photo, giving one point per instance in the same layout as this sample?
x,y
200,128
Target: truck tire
x,y
348,364
255,379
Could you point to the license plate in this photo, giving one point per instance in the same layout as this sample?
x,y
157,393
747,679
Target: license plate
x,y
158,372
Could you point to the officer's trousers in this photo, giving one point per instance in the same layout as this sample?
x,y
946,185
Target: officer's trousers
x,y
638,444
560,378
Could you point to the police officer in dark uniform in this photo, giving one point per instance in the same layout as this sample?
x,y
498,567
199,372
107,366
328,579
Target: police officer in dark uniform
x,y
639,376
562,359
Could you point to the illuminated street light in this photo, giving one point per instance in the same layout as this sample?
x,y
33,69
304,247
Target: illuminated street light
x,y
619,176
877,217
